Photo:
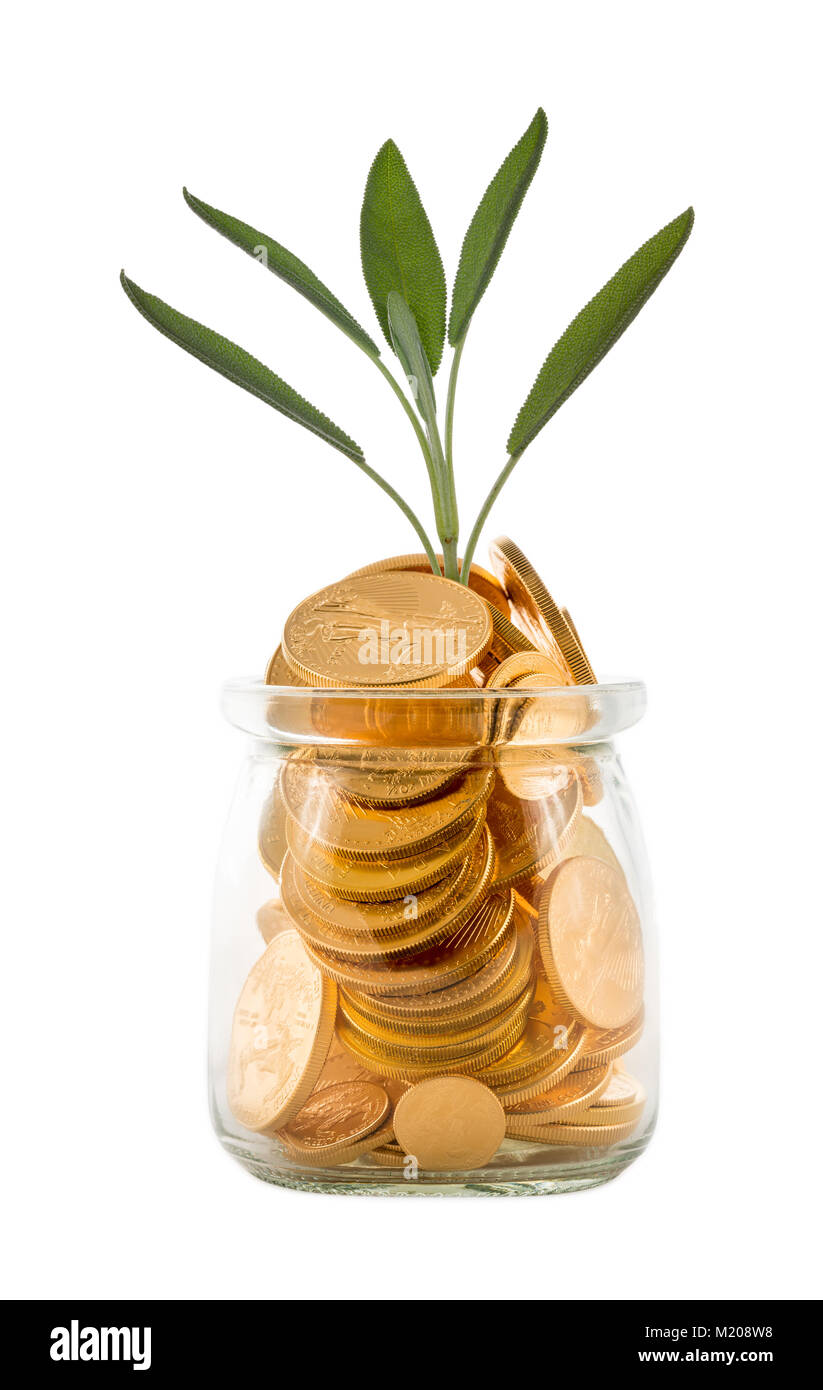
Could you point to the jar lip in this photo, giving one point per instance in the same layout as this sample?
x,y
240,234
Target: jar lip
x,y
303,715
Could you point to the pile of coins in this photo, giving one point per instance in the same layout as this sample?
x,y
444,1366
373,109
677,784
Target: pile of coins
x,y
453,960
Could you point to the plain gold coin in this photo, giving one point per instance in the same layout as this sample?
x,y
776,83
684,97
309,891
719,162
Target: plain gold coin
x,y
450,1123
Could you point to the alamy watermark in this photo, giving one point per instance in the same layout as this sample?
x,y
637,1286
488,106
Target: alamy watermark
x,y
416,646
76,1343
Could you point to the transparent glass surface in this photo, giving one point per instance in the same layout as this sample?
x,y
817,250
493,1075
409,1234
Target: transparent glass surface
x,y
465,875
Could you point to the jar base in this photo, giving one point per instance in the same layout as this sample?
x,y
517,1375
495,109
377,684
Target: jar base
x,y
518,1170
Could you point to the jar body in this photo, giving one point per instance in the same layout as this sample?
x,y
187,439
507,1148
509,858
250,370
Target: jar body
x,y
471,903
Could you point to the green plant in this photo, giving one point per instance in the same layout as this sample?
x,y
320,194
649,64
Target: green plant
x,y
407,285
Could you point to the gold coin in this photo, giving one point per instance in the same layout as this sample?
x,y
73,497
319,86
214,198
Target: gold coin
x,y
606,1044
574,1094
550,1048
282,1028
472,1001
529,837
272,918
341,1066
381,880
485,584
543,717
278,671
516,670
388,1158
379,778
585,766
348,931
527,895
567,618
535,1055
529,663
322,919
391,719
459,894
581,1136
623,1089
399,629
547,1009
322,1158
530,776
272,841
589,840
591,780
536,611
505,1028
524,908
424,1029
480,938
412,1069
543,1081
627,1113
480,580
506,638
370,833
337,1117
562,719
590,942
483,673
355,923
450,1123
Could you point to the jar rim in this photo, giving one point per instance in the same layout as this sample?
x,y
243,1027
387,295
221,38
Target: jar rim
x,y
303,715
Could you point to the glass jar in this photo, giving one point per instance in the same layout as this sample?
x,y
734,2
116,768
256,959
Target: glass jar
x,y
433,963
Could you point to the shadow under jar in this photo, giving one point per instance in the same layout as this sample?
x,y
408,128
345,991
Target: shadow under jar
x,y
433,964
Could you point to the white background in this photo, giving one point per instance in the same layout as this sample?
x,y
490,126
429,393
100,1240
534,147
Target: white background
x,y
159,525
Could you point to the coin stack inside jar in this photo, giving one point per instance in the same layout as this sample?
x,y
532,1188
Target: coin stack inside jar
x,y
454,959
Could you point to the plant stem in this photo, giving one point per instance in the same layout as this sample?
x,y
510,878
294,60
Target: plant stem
x,y
447,526
408,407
405,509
446,512
450,543
431,468
484,512
441,478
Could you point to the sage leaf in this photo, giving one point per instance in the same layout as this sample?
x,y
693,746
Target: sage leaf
x,y
239,366
409,349
597,328
399,252
286,266
489,228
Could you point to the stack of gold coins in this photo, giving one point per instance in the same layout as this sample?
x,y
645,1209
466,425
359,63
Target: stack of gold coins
x,y
431,900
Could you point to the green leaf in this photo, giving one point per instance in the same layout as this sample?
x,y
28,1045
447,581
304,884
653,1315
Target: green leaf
x,y
489,228
399,252
239,366
597,328
286,266
406,343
